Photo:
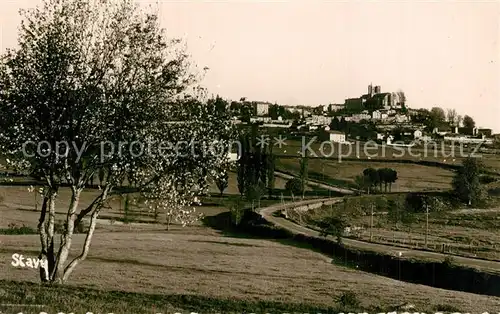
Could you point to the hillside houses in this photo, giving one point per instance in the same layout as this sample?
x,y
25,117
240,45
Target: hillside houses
x,y
373,116
319,120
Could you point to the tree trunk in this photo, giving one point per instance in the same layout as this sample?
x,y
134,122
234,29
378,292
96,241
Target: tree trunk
x,y
42,231
66,237
86,246
46,231
168,222
66,272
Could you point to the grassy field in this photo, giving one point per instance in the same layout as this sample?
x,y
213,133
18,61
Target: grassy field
x,y
198,261
442,154
196,268
471,233
411,177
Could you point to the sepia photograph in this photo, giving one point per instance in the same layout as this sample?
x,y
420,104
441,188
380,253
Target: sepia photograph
x,y
249,156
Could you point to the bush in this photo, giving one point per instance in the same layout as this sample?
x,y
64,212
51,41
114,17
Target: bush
x,y
494,192
255,192
295,186
417,202
449,261
349,300
446,308
14,229
487,179
332,225
60,227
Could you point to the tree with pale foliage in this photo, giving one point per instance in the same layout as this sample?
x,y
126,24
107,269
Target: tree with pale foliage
x,y
96,74
166,198
451,116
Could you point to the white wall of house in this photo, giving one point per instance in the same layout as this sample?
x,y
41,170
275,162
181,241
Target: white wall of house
x,y
262,109
337,137
468,140
319,120
233,156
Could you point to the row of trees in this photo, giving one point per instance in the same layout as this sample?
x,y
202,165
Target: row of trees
x,y
437,117
467,184
371,179
255,168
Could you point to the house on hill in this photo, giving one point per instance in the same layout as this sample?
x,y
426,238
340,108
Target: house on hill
x,y
465,131
473,131
485,132
260,108
335,107
373,100
379,101
417,134
337,136
333,136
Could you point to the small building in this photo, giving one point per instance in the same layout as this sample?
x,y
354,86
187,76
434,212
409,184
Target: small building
x,y
261,108
485,132
464,139
389,139
233,157
354,104
260,119
417,134
319,120
465,131
401,118
335,107
337,136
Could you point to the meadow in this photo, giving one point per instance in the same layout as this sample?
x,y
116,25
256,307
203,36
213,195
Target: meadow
x,y
198,261
142,267
464,232
411,177
445,154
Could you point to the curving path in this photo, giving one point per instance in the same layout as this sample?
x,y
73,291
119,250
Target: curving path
x,y
267,214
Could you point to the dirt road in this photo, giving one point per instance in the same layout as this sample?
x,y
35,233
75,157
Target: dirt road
x,y
267,213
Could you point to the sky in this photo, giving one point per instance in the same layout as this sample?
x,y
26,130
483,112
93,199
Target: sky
x,y
310,52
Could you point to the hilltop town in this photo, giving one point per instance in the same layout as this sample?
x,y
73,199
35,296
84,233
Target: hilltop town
x,y
384,117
